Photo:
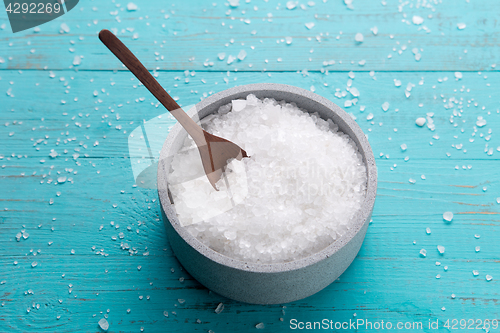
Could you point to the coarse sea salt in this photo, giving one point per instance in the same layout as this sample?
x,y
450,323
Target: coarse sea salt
x,y
294,195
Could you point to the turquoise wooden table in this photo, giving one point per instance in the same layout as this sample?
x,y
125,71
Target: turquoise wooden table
x,y
79,242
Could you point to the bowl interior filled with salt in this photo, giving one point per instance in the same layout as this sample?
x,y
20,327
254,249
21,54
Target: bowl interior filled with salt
x,y
284,222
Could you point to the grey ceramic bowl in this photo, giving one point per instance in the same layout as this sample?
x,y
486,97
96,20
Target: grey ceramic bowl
x,y
277,282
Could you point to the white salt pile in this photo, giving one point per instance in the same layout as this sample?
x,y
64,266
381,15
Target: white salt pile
x,y
293,196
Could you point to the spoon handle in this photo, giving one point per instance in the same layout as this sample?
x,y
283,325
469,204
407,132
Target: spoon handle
x,y
137,68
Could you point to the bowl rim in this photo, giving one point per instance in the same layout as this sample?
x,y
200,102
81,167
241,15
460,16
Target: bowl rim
x,y
361,217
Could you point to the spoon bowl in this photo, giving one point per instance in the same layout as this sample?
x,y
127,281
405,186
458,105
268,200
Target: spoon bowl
x,y
215,151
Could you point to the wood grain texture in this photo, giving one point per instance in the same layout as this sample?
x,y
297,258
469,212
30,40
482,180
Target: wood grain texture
x,y
195,32
388,280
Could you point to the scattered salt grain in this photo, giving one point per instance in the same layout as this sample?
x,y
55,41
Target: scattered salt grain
x,y
349,5
288,40
242,55
103,324
475,272
221,56
65,28
480,121
131,6
428,231
404,147
291,4
230,59
478,248
420,121
423,253
417,20
310,25
219,308
354,91
385,106
260,326
272,214
461,26
359,37
458,75
489,277
448,216
77,60
441,249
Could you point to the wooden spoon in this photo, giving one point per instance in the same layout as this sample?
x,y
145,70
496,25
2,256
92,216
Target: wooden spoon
x,y
215,151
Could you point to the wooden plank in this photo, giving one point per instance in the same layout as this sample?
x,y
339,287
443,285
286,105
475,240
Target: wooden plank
x,y
192,36
108,277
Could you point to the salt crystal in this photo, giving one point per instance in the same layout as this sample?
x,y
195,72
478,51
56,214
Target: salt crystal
x,y
423,253
453,296
354,91
288,40
458,75
291,4
428,231
242,55
65,27
61,179
77,60
221,56
397,83
461,26
417,20
475,272
260,326
131,6
385,106
441,249
420,121
310,25
234,3
359,37
448,216
374,30
480,121
489,277
403,147
219,308
478,248
103,324
230,59
34,264
238,105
